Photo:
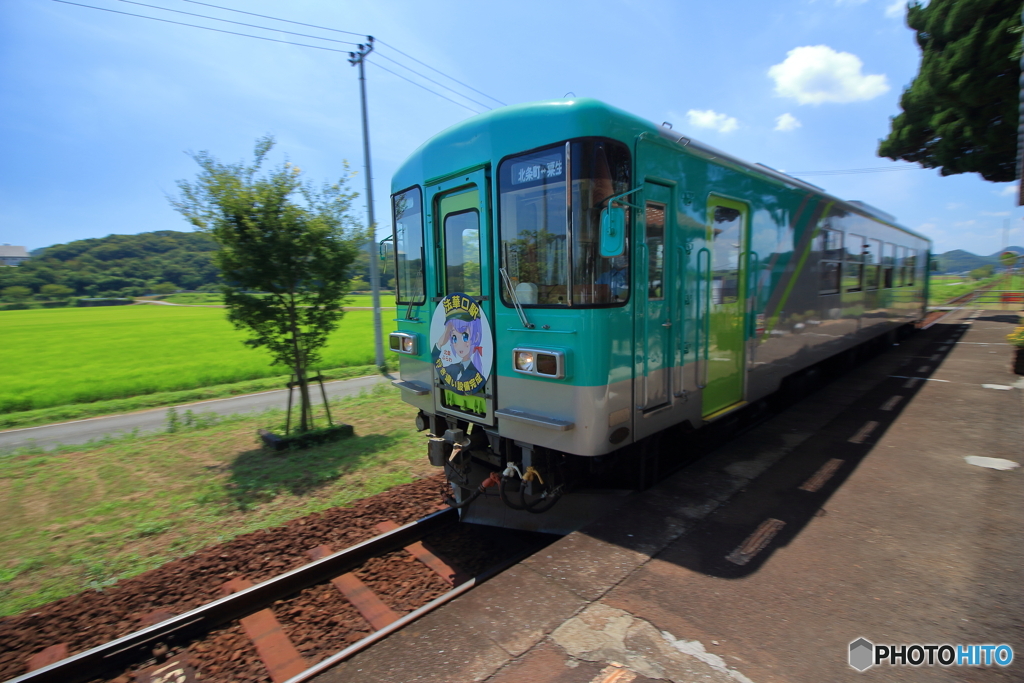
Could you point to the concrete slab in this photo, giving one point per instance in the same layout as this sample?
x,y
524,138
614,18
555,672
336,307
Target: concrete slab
x,y
517,609
585,565
547,663
435,649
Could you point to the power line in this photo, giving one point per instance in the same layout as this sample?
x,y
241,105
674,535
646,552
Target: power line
x,y
264,16
337,30
239,23
422,86
392,47
207,28
303,35
433,81
876,169
273,40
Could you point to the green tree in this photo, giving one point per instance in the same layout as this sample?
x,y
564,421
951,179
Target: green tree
x,y
56,291
960,112
983,272
16,293
164,288
281,236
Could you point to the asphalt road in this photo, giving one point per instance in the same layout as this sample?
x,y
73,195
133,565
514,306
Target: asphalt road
x,y
95,428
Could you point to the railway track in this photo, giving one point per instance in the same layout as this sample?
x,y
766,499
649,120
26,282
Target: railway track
x,y
267,612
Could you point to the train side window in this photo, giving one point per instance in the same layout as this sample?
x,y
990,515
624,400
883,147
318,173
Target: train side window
x,y
888,264
911,266
725,269
853,268
872,263
830,244
901,266
655,234
408,222
462,252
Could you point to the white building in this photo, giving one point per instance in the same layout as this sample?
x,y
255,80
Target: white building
x,y
12,256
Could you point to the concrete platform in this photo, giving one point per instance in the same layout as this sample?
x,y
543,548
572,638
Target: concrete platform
x,y
854,514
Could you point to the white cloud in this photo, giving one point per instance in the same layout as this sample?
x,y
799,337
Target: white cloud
x,y
995,213
814,74
964,224
1008,191
711,119
953,206
896,10
787,122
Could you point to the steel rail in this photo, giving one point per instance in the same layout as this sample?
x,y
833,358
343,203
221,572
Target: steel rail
x,y
134,647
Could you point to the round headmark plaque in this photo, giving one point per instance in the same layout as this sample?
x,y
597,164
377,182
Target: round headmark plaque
x,y
463,349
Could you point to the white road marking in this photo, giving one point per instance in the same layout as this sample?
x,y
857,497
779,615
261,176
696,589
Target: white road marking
x,y
756,542
991,463
914,380
822,475
936,357
924,368
1000,387
864,432
943,348
891,403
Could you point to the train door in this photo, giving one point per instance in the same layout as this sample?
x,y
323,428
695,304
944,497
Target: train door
x,y
464,385
728,237
654,294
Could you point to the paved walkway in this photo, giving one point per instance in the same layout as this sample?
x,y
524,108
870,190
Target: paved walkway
x,y
858,513
95,428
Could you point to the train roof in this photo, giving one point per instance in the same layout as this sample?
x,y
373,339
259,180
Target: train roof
x,y
517,128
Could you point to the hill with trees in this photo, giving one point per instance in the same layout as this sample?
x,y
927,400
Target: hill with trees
x,y
960,261
131,265
120,265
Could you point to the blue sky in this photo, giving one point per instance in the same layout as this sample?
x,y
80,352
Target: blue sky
x,y
98,109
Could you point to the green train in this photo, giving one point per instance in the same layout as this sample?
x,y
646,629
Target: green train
x,y
574,281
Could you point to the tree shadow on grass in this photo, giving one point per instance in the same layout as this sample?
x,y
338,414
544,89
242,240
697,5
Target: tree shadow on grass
x,y
260,474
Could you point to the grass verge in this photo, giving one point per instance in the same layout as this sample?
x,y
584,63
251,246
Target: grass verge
x,y
86,517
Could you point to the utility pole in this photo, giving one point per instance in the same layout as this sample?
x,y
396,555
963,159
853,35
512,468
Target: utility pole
x,y
358,59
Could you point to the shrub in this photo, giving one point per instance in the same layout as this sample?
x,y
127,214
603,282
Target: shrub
x,y
1017,337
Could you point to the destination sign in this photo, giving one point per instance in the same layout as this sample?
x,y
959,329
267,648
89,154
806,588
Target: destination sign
x,y
539,168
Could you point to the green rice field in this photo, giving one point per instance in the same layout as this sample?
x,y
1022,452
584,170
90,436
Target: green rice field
x,y
942,288
61,356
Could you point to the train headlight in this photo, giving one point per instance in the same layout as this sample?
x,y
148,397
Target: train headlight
x,y
403,342
539,362
524,361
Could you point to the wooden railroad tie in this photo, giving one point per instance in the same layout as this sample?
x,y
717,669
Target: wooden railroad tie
x,y
279,655
445,570
359,594
49,656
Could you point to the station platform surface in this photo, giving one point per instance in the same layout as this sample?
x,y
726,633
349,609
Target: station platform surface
x,y
860,512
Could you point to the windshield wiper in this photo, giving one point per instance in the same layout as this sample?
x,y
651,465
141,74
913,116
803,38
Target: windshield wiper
x,y
515,299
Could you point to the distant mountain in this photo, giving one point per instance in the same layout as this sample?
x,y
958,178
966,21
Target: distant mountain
x,y
958,260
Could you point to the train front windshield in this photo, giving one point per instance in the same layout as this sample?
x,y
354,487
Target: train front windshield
x,y
550,238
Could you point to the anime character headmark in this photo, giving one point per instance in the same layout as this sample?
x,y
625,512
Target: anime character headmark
x,y
463,349
465,337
